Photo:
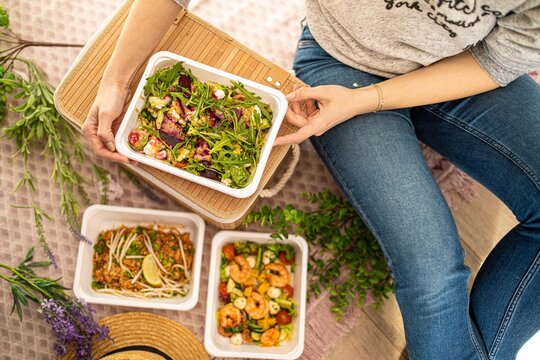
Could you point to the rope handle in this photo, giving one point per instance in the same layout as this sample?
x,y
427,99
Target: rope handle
x,y
295,152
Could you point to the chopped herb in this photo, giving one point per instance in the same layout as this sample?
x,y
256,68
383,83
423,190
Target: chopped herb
x,y
98,247
97,285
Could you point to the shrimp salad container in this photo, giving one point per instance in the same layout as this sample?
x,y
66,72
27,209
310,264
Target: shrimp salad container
x,y
212,140
216,342
105,217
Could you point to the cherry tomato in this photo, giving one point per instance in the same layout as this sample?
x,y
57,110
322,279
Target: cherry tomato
x,y
229,252
222,332
288,290
223,290
283,258
283,317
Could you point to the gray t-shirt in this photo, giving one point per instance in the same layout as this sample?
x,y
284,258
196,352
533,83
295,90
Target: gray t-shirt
x,y
393,37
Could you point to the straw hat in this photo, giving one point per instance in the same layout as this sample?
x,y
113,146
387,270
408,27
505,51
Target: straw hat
x,y
145,336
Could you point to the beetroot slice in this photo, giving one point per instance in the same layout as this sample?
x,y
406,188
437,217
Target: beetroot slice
x,y
169,139
169,127
185,82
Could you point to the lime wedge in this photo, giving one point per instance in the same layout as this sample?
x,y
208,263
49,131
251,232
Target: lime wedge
x,y
150,270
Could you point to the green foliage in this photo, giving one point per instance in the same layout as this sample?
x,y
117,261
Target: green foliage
x,y
40,125
5,90
38,128
4,18
348,262
27,286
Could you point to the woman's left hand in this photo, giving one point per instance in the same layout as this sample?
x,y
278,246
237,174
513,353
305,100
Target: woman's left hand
x,y
335,104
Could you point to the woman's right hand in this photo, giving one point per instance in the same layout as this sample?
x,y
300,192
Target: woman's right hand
x,y
152,19
104,118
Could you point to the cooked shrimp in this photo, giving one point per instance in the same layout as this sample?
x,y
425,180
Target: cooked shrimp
x,y
278,275
240,269
229,316
257,306
270,337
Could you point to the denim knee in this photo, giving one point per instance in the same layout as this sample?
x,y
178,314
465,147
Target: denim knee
x,y
430,283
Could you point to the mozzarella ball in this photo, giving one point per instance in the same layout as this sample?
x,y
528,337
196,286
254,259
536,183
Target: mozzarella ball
x,y
267,257
274,307
252,261
236,339
273,292
240,302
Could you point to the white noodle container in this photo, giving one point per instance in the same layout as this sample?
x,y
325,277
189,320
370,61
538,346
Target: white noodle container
x,y
205,73
220,346
102,217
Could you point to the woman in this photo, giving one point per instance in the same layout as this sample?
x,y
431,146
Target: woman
x,y
384,74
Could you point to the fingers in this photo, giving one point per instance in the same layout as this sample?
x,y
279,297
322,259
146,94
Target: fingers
x,y
295,119
104,130
101,151
90,130
297,137
305,93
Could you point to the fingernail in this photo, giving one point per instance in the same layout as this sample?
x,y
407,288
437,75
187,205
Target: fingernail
x,y
291,96
110,146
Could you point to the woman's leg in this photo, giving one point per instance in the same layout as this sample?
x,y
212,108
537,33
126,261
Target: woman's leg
x,y
495,137
377,161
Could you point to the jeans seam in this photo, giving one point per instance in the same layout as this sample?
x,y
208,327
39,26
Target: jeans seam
x,y
501,332
306,43
488,140
476,344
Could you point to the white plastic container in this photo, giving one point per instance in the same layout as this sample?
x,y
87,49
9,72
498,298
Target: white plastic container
x,y
219,346
205,73
102,217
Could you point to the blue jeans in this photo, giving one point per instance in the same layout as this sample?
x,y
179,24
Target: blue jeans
x,y
377,161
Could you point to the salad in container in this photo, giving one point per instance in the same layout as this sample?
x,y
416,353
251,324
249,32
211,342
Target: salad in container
x,y
256,304
202,124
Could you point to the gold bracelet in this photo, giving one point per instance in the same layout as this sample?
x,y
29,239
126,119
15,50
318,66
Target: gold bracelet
x,y
381,97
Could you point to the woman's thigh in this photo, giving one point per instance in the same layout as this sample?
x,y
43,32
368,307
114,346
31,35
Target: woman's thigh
x,y
495,138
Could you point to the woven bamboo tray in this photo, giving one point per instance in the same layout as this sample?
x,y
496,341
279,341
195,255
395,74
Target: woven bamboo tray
x,y
193,38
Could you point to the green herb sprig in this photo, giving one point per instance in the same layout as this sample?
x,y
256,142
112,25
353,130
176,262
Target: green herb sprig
x,y
39,128
41,125
27,286
348,261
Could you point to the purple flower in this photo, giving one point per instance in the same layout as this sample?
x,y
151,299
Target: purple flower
x,y
78,236
73,322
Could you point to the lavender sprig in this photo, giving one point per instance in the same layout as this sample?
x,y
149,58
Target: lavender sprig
x,y
39,214
69,318
78,236
73,322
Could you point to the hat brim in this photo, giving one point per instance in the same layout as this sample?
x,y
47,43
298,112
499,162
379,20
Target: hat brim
x,y
140,331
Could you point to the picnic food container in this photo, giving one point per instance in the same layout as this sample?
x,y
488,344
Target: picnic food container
x,y
204,73
220,346
194,38
101,217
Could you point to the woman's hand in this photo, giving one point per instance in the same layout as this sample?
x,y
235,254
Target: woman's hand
x,y
104,118
335,104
